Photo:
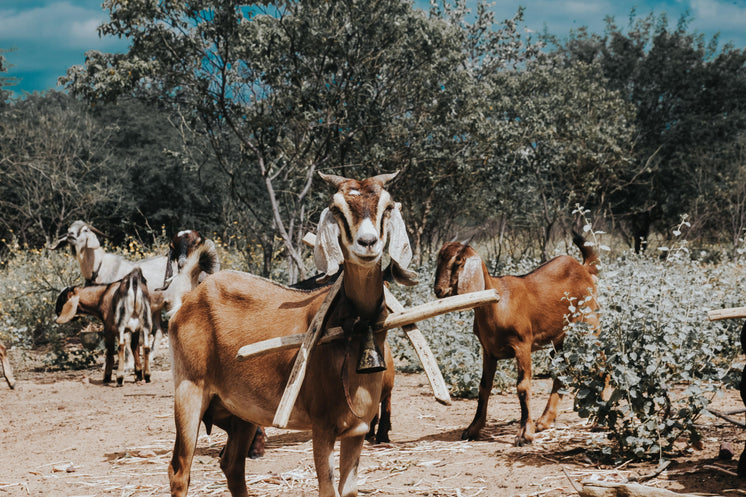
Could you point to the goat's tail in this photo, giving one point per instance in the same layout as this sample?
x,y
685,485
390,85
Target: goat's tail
x,y
591,260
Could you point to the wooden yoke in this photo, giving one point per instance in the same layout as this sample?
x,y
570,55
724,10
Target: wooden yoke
x,y
282,415
728,313
400,317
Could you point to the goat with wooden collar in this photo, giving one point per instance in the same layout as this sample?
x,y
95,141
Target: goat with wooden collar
x,y
232,309
124,308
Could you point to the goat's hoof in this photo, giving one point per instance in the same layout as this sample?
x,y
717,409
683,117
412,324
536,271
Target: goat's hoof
x,y
120,381
468,435
383,438
138,375
107,379
147,378
522,440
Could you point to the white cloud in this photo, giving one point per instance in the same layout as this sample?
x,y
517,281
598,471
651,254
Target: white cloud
x,y
61,24
712,15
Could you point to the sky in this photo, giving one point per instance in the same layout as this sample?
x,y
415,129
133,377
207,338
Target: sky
x,y
48,36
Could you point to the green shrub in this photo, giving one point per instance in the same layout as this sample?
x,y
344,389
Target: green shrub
x,y
664,358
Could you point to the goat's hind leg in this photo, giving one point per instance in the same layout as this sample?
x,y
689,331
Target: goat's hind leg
x,y
550,411
523,366
124,344
233,459
189,406
110,344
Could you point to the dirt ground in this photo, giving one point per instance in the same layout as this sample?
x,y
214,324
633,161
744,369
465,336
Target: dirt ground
x,y
67,434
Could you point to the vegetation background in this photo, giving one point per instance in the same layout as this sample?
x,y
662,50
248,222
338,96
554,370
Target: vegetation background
x,y
220,114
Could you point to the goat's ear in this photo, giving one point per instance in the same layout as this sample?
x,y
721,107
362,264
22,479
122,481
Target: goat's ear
x,y
68,310
399,249
91,241
471,278
169,266
208,260
327,254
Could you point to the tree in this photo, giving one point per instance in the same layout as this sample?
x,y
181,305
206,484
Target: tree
x,y
689,104
54,167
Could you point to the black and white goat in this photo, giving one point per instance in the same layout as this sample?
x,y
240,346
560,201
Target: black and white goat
x,y
124,308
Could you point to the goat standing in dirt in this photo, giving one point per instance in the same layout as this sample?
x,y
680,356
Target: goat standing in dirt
x,y
232,309
124,308
532,312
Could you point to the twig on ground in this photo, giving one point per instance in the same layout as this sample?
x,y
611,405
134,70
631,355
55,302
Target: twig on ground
x,y
571,482
661,468
721,415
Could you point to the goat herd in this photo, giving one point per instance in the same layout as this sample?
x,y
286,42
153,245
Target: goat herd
x,y
212,314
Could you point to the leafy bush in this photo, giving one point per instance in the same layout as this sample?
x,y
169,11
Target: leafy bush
x,y
664,359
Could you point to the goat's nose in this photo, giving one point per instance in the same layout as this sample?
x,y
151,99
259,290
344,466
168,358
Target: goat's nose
x,y
367,240
442,292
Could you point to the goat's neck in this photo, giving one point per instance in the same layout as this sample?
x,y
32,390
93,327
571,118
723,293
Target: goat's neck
x,y
91,300
90,262
363,287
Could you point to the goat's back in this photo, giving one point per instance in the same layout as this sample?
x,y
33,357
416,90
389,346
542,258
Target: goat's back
x,y
232,309
541,299
115,267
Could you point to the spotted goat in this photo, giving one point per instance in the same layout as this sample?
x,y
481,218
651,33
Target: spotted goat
x,y
124,308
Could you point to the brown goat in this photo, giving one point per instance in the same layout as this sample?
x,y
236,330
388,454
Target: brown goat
x,y
532,312
5,364
124,308
231,309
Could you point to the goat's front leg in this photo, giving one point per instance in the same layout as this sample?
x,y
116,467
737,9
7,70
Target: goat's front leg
x,y
349,459
523,366
489,365
189,406
124,344
233,460
110,344
323,458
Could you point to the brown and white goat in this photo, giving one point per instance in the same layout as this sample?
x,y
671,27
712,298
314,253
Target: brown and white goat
x,y
232,309
5,364
124,308
194,257
99,266
532,312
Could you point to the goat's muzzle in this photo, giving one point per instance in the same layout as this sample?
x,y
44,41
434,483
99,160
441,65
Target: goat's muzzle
x,y
370,358
442,292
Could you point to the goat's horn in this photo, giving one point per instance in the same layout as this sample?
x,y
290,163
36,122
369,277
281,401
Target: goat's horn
x,y
333,179
386,178
97,231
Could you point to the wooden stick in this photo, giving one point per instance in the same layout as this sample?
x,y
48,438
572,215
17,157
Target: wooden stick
x,y
727,313
424,353
282,416
393,320
727,418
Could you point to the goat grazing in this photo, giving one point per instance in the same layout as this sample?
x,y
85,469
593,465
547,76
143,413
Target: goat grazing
x,y
532,312
232,309
124,308
5,364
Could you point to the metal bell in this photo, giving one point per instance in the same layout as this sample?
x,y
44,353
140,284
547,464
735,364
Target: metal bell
x,y
370,358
